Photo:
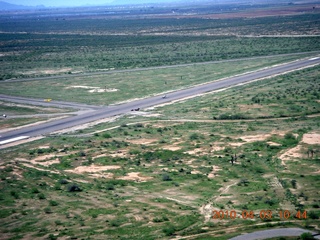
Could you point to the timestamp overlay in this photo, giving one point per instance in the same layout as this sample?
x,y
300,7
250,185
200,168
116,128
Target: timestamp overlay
x,y
262,214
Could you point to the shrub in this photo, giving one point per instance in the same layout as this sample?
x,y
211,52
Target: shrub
x,y
47,210
166,177
106,135
139,125
169,230
194,136
63,181
53,203
74,188
41,196
110,187
35,190
313,215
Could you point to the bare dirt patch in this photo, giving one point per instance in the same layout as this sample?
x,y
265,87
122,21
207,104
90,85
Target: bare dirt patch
x,y
171,148
135,176
93,169
195,151
254,138
144,141
122,153
291,154
311,138
95,89
273,144
40,169
217,148
47,163
246,107
262,137
214,171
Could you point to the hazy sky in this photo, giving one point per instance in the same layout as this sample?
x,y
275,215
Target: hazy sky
x,y
57,2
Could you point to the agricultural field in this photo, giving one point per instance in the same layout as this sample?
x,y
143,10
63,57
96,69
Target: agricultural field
x,y
250,152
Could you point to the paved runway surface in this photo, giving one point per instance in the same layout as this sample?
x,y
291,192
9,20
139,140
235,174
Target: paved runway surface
x,y
109,111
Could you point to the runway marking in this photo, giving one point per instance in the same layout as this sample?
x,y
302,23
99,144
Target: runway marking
x,y
13,139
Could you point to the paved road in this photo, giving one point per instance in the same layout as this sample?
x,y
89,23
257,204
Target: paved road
x,y
42,102
114,110
273,233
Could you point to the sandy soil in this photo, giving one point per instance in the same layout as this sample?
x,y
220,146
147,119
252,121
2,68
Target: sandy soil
x,y
213,174
122,154
93,169
195,151
299,151
291,153
135,176
172,148
311,138
254,138
274,144
40,169
95,89
196,172
144,141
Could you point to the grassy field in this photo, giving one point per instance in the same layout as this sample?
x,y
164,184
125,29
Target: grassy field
x,y
159,178
116,87
40,46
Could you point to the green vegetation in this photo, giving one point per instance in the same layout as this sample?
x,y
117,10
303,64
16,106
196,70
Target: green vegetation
x,y
33,46
254,147
130,85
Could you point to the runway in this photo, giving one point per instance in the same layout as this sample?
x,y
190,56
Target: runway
x,y
100,112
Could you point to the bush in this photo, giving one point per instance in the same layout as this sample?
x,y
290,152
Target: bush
x,y
63,181
194,136
74,188
53,203
169,230
41,196
313,215
110,187
106,135
47,210
166,177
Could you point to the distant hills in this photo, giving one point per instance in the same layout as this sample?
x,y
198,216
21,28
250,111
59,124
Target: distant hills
x,y
9,6
48,3
4,6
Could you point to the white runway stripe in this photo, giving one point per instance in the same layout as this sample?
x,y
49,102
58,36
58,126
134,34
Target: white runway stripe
x,y
13,139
